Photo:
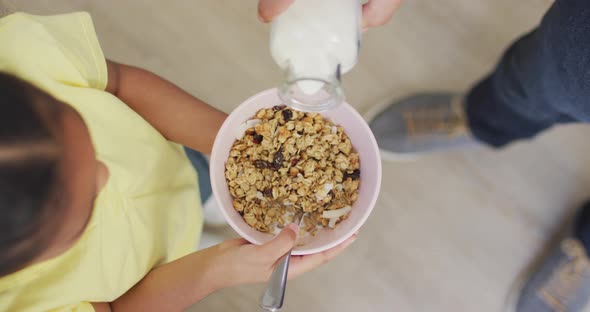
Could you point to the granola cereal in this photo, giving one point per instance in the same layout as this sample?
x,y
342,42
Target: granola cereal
x,y
287,162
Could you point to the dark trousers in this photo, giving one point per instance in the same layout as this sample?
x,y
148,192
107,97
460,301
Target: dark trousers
x,y
542,80
201,165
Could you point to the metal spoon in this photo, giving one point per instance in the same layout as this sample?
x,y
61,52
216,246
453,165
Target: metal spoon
x,y
272,299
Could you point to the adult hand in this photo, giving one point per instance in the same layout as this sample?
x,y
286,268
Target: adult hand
x,y
238,262
375,12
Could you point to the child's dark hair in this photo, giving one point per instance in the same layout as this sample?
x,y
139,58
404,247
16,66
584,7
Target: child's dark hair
x,y
29,172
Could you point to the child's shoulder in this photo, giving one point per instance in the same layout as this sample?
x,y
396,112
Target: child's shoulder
x,y
62,48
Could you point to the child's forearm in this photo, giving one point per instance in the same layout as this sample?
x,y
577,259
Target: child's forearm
x,y
177,285
171,287
177,115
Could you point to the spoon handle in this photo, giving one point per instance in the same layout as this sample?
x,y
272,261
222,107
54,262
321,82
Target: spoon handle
x,y
272,300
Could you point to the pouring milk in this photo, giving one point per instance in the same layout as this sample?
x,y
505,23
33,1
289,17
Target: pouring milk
x,y
315,42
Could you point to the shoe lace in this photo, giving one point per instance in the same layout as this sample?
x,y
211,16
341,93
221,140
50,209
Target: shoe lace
x,y
439,119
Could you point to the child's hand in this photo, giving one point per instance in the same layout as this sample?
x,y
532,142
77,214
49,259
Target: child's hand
x,y
238,262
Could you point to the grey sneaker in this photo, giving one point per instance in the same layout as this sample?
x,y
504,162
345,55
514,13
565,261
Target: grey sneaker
x,y
560,279
561,283
419,124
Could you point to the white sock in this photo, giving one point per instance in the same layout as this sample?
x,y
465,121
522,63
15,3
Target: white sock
x,y
209,239
212,213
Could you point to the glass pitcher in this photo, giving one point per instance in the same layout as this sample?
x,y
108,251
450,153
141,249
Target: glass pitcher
x,y
315,42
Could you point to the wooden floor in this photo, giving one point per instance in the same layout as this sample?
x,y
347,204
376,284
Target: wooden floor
x,y
450,232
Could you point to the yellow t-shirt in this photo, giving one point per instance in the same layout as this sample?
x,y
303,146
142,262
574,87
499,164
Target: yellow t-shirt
x,y
149,211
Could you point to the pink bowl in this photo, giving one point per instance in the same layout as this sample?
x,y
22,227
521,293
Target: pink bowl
x,y
362,139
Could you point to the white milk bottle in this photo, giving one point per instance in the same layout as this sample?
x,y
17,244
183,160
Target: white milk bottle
x,y
315,42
